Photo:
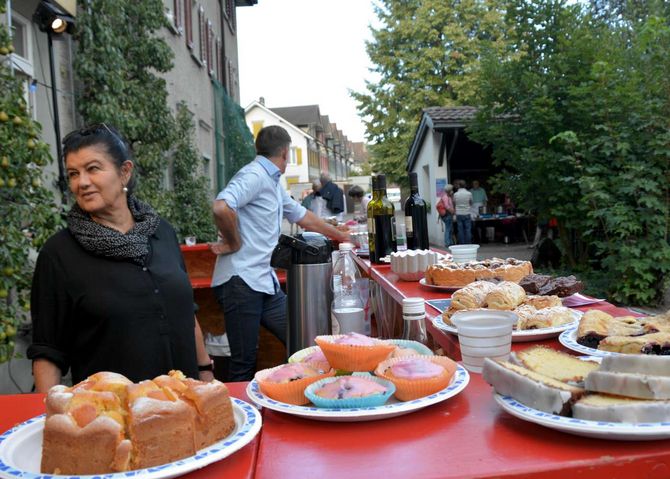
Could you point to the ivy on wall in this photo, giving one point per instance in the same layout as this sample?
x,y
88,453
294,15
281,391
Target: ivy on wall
x,y
28,209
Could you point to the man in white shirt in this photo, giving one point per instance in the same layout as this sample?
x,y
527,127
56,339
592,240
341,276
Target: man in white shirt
x,y
463,206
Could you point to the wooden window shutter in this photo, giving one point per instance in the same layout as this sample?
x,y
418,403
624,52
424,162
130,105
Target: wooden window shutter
x,y
257,125
202,27
210,48
219,57
298,155
188,22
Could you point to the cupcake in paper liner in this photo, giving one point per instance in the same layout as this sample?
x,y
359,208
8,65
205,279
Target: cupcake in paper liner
x,y
406,347
360,390
353,351
417,376
287,383
312,355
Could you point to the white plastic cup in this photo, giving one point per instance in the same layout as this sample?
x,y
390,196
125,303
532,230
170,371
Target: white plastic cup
x,y
484,334
463,253
189,240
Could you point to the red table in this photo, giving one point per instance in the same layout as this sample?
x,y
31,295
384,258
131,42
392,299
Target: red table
x,y
20,407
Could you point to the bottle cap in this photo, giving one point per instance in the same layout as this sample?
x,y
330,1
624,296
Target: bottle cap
x,y
346,246
414,308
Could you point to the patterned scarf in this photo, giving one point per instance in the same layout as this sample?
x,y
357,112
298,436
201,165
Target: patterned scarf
x,y
105,241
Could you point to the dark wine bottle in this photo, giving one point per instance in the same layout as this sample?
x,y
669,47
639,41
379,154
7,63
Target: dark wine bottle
x,y
416,217
384,219
371,220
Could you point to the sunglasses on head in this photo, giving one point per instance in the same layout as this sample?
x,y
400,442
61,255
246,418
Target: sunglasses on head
x,y
92,129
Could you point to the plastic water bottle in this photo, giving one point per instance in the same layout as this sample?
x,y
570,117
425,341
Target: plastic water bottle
x,y
347,310
414,318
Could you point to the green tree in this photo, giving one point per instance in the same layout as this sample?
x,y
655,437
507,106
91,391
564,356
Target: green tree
x,y
425,53
118,56
190,210
576,113
28,211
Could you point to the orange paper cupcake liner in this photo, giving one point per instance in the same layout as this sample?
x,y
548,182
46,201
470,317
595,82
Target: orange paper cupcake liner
x,y
292,392
410,389
351,357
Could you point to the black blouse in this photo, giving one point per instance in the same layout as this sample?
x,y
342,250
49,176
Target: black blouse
x,y
92,313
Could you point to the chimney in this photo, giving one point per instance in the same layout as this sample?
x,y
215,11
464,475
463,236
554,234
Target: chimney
x,y
261,100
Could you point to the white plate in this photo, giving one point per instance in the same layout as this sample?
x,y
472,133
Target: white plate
x,y
523,335
21,449
391,409
619,431
568,338
436,287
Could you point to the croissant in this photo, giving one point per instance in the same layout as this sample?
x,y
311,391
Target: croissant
x,y
506,296
473,296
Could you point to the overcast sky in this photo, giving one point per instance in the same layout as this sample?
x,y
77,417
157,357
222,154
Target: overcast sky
x,y
305,52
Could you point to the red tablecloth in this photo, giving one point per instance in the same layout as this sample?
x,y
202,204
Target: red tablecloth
x,y
14,409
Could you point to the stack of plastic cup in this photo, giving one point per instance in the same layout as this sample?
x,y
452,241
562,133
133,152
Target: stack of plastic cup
x,y
463,253
484,334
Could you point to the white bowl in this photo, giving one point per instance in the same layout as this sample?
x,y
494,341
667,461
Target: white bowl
x,y
411,265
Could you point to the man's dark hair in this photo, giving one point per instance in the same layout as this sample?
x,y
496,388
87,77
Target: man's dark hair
x,y
271,140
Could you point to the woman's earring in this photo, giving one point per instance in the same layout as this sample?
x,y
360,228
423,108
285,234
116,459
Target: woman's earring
x,y
125,189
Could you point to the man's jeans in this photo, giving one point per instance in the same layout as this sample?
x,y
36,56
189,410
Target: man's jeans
x,y
464,223
244,311
448,220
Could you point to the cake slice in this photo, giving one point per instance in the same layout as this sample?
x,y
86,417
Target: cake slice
x,y
530,388
603,407
555,364
636,363
629,384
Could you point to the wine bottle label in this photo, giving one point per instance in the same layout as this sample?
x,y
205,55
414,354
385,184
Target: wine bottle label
x,y
408,226
371,226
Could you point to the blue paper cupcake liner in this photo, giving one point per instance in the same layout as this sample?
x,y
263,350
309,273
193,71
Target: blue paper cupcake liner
x,y
359,402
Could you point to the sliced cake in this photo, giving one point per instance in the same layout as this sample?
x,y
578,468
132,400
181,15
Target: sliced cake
x,y
530,388
642,377
555,364
603,407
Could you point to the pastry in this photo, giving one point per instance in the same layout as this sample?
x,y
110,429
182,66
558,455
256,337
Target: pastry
x,y
546,318
417,376
107,424
655,343
354,352
555,364
287,383
596,325
458,274
472,296
350,392
603,407
530,388
505,296
541,302
525,313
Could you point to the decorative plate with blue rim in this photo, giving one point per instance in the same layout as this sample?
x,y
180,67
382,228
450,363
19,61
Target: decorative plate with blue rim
x,y
568,338
21,449
619,431
391,409
523,335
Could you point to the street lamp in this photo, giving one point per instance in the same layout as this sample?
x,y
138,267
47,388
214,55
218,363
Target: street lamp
x,y
53,21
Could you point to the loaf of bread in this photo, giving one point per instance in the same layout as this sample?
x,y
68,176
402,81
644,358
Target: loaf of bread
x,y
107,424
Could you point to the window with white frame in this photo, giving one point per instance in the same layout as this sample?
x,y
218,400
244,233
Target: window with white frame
x,y
22,58
293,157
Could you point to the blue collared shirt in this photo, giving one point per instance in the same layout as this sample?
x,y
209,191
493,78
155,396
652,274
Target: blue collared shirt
x,y
260,202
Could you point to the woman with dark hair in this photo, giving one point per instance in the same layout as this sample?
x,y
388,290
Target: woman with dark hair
x,y
110,292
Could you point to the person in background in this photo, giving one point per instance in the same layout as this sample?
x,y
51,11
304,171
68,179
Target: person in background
x,y
448,217
479,198
356,194
307,200
463,207
110,291
248,214
332,195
